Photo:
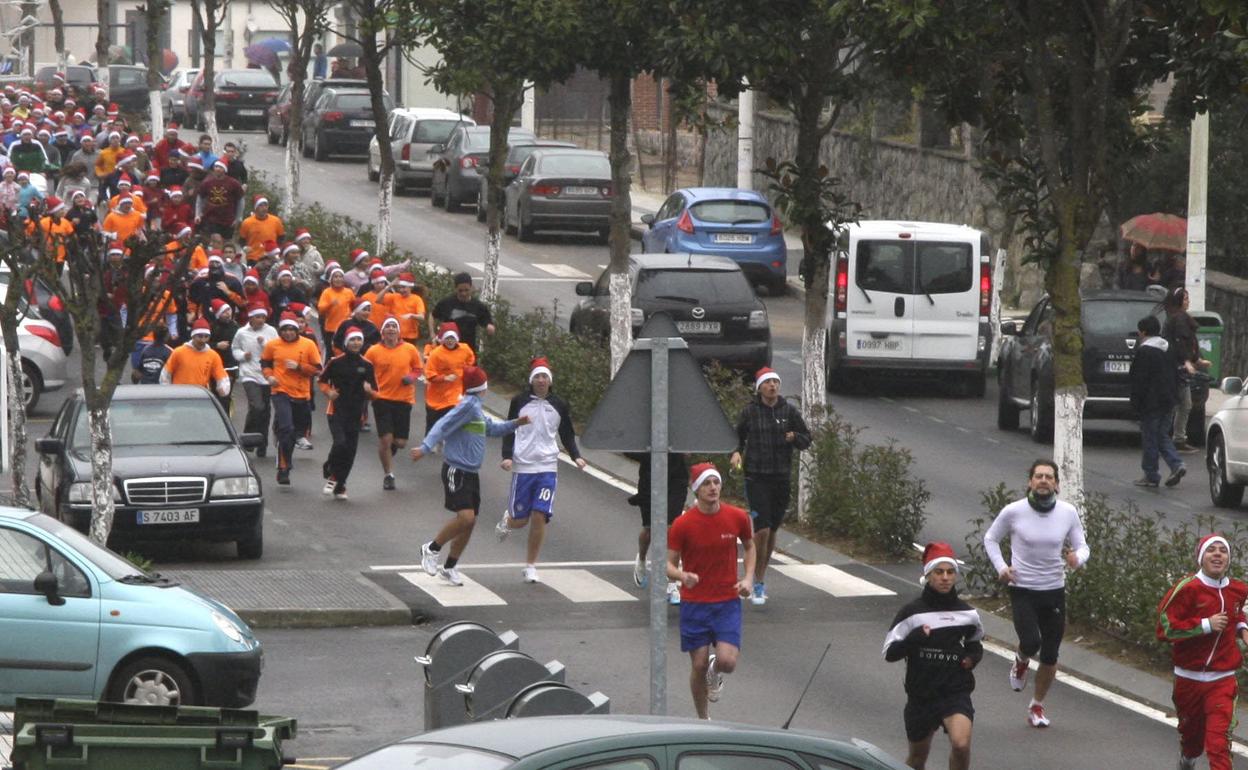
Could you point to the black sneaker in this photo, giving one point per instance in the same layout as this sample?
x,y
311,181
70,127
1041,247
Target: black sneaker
x,y
1146,483
387,483
283,476
1174,478
262,452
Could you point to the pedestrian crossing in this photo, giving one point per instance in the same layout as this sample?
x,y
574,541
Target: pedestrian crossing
x,y
538,271
6,735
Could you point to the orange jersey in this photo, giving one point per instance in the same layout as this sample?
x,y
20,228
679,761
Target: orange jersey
x,y
440,394
53,235
399,306
155,315
390,366
335,307
123,225
188,366
256,231
297,382
377,311
140,205
106,160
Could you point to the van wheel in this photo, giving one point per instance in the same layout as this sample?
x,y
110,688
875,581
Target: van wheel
x,y
1041,418
1223,493
152,682
252,547
32,383
1007,412
974,384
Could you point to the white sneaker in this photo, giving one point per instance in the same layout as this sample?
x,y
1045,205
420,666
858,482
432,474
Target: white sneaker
x,y
714,681
328,489
429,559
1187,763
503,528
1036,716
341,495
452,576
530,574
303,443
1018,674
640,578
673,593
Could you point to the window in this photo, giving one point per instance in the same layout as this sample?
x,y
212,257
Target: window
x,y
731,212
886,266
359,101
398,127
1033,318
22,558
1109,317
577,165
246,79
434,131
128,77
431,756
152,422
726,761
944,268
699,287
671,207
624,763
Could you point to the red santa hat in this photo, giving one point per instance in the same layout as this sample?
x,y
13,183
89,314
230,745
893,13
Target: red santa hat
x,y
23,175
358,256
152,176
764,374
378,274
288,319
1207,541
390,321
123,180
252,276
360,303
289,248
183,231
284,273
538,366
126,200
332,271
302,309
406,279
271,249
221,165
194,163
935,554
258,201
175,191
699,473
302,234
55,204
201,326
448,329
116,248
257,308
354,333
131,138
219,307
113,110
216,257
475,380
172,128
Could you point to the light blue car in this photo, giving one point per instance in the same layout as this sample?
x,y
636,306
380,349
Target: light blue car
x,y
79,621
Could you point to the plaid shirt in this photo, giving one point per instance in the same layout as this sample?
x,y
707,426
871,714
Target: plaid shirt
x,y
760,436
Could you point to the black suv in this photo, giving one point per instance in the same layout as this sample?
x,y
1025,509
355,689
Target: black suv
x,y
341,122
713,306
1025,368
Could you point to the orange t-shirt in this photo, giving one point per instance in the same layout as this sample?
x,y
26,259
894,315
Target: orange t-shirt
x,y
140,205
188,366
155,315
335,307
123,225
296,383
390,366
440,394
54,235
398,306
377,311
256,231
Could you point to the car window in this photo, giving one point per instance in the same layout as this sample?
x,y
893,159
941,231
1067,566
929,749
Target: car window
x,y
110,563
885,266
671,207
429,756
476,140
703,287
398,127
602,287
22,558
1116,316
434,131
527,167
732,761
129,77
944,268
359,101
321,101
621,763
576,165
246,79
1033,318
157,421
731,212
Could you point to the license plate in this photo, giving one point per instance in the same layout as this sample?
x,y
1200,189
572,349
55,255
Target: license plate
x,y
580,190
698,327
169,516
251,113
363,124
1117,367
732,238
874,344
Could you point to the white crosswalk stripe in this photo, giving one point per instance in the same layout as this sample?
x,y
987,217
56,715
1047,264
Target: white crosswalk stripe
x,y
582,587
470,594
503,270
6,734
827,578
561,270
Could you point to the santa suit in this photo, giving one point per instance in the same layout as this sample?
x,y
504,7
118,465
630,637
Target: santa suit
x,y
1205,661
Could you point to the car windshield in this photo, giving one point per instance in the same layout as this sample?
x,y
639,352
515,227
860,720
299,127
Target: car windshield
x,y
246,79
429,756
359,101
1116,316
113,565
731,212
576,165
434,131
157,421
480,139
704,287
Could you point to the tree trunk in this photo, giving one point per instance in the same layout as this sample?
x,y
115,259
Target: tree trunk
x,y
156,10
58,34
208,37
381,129
1062,283
294,142
18,439
507,99
102,8
102,506
621,218
385,208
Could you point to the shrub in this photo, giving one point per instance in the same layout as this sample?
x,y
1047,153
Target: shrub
x,y
733,391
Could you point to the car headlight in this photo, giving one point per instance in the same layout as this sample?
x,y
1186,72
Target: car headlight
x,y
227,627
236,486
80,493
758,319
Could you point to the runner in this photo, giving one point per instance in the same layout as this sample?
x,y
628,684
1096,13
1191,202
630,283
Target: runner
x,y
396,365
407,306
677,470
195,363
289,363
463,429
248,345
702,557
259,228
533,452
444,366
1201,617
349,383
224,327
1039,527
939,636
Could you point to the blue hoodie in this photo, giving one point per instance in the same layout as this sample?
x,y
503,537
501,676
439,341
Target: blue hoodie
x,y
463,429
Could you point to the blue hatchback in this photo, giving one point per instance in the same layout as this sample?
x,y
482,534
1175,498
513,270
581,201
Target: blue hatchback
x,y
724,221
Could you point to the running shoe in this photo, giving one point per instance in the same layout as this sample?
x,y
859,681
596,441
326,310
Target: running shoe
x,y
428,559
283,476
1146,482
341,494
328,489
714,681
452,576
760,594
1018,674
640,578
1174,478
673,593
303,443
503,528
1187,763
530,574
1036,717
387,483
1183,447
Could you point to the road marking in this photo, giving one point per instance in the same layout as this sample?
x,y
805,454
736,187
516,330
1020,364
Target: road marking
x,y
581,586
936,419
470,594
561,270
531,279
962,429
831,580
503,270
511,565
910,409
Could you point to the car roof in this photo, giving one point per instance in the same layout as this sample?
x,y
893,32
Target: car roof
x,y
142,392
21,514
424,113
550,151
699,194
890,227
513,131
683,261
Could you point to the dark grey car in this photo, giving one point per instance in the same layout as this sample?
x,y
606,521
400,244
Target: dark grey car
x,y
560,190
455,178
517,154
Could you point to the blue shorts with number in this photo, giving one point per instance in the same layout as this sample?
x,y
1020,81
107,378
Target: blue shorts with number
x,y
532,492
704,624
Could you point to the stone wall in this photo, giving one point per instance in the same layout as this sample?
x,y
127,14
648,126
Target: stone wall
x,y
1228,296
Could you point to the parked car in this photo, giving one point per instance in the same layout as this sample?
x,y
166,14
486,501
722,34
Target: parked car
x,y
77,75
560,190
127,87
45,363
312,88
738,224
412,132
340,123
455,180
516,155
180,470
622,742
50,308
82,622
1025,367
277,127
713,306
1226,446
242,98
173,96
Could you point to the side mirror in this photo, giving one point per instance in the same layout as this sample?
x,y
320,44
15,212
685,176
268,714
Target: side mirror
x,y
49,445
46,584
251,440
1233,386
647,219
1009,328
585,289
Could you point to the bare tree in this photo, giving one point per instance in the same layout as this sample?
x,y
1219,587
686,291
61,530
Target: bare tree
x,y
155,11
307,21
209,16
58,34
102,33
16,257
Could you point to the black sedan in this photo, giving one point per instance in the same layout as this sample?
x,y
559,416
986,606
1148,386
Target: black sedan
x,y
341,123
179,469
242,98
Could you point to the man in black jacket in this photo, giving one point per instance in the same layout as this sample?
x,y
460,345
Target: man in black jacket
x,y
1154,393
350,383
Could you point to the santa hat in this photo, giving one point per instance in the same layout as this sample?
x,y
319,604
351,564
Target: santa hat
x,y
131,138
77,194
8,171
23,175
302,234
55,204
126,158
358,256
302,309
219,307
390,321
172,128
936,554
201,326
284,272
699,473
258,201
27,131
288,319
113,110
111,134
183,231
1207,541
378,274
216,257
474,379
270,248
126,200
335,271
253,276
448,329
289,248
152,176
360,303
194,163
221,165
175,191
406,279
45,133
116,248
538,366
124,179
354,333
764,374
58,76
257,308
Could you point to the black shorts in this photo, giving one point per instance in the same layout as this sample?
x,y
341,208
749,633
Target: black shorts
x,y
393,418
1039,621
462,489
768,496
923,717
432,416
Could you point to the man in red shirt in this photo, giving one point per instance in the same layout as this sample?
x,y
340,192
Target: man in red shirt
x,y
702,556
217,199
1201,617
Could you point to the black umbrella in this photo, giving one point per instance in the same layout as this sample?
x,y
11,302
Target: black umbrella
x,y
348,50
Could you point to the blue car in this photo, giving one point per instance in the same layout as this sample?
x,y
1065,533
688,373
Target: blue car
x,y
82,622
724,221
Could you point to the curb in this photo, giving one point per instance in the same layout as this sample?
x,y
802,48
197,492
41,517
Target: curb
x,y
399,615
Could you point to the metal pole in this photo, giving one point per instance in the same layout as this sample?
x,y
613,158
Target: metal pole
x,y
1197,210
745,140
658,525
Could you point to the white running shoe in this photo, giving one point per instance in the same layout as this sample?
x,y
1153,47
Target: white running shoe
x,y
1036,717
503,528
673,593
640,578
530,574
341,495
714,681
303,443
328,489
452,576
1018,674
429,559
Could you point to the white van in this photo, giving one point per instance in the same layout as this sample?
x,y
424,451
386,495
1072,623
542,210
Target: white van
x,y
413,130
910,298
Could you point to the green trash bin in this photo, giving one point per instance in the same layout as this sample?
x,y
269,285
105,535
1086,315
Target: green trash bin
x,y
1209,330
91,735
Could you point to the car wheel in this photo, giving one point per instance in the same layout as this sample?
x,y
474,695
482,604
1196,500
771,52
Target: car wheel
x,y
434,200
1041,418
285,136
318,152
32,382
252,547
1223,493
152,682
778,286
1196,425
480,208
524,233
306,147
449,201
374,176
508,227
270,135
1007,412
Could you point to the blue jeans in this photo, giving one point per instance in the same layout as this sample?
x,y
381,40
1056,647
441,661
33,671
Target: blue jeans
x,y
1155,438
289,414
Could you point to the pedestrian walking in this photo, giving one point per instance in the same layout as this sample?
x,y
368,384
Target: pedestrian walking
x,y
463,430
702,557
248,346
532,455
1154,394
1201,617
1179,331
677,472
768,431
444,369
1046,537
152,357
195,363
289,362
349,384
465,311
224,327
397,365
939,636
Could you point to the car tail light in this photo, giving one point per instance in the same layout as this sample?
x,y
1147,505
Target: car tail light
x,y
55,304
331,117
777,227
269,97
45,332
985,288
637,315
227,96
469,161
406,153
842,283
544,189
513,169
685,223
758,319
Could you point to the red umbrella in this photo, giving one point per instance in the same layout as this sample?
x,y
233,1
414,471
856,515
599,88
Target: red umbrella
x,y
1164,232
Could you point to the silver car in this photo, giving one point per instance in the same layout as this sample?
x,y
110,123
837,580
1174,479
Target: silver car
x,y
560,190
413,131
455,178
173,96
44,362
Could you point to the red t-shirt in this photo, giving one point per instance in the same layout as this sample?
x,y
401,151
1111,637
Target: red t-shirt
x,y
220,197
707,543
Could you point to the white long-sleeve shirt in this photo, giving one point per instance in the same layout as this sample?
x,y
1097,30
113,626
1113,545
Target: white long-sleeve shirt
x,y
1036,541
249,340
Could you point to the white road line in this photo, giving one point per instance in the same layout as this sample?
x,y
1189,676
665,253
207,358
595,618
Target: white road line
x,y
831,580
511,565
561,270
936,419
503,270
910,409
470,594
582,587
962,429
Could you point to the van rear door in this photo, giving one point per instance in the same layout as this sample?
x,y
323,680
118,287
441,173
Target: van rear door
x,y
946,312
880,304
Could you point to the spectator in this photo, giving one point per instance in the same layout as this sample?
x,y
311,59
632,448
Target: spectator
x,y
320,62
466,311
1154,393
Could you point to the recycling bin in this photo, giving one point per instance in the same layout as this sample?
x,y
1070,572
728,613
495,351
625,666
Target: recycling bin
x,y
545,699
498,677
449,657
1209,330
